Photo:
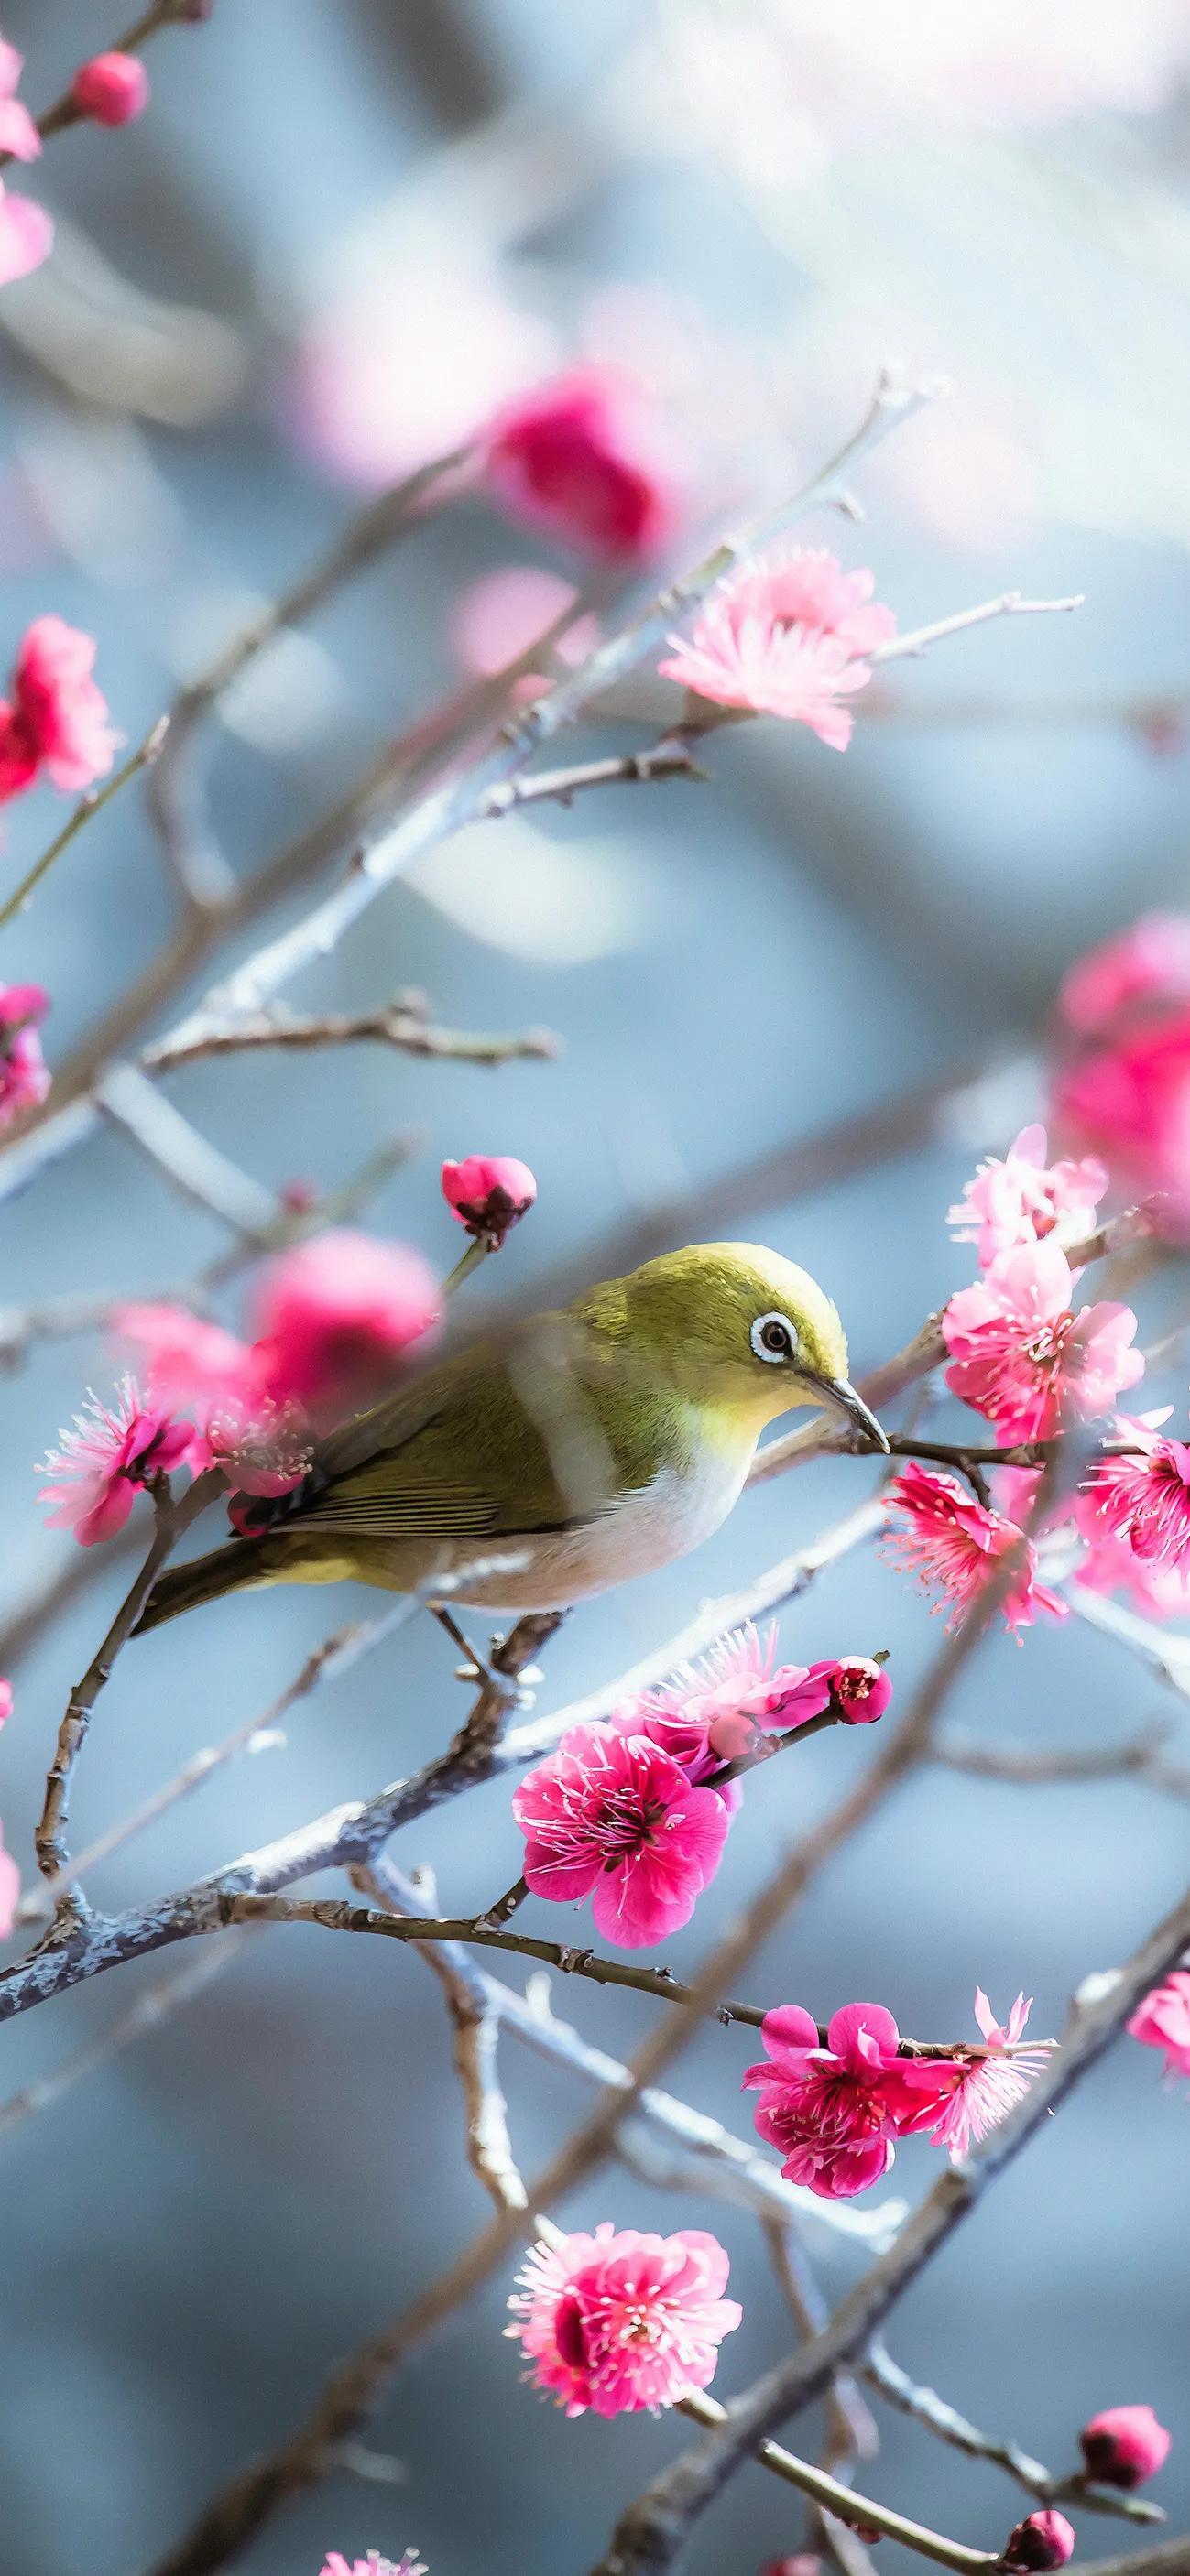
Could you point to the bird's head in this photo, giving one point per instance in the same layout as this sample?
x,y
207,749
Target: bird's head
x,y
740,1328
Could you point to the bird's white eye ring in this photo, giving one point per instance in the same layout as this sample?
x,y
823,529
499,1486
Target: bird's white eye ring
x,y
774,1339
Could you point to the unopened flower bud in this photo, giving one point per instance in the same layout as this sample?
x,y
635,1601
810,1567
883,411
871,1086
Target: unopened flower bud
x,y
1124,2445
111,88
489,1193
860,1689
1043,2540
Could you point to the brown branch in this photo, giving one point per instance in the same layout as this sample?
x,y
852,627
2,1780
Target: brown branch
x,y
1139,1757
163,13
475,2022
404,1024
856,2510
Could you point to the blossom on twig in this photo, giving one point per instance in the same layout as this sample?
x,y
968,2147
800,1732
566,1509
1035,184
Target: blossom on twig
x,y
24,1073
941,1533
1141,1501
621,2321
613,1817
56,719
785,635
716,1711
112,1452
1021,1200
111,89
833,2113
1043,2540
1024,1358
1124,2445
959,2099
332,1315
1163,2021
489,1194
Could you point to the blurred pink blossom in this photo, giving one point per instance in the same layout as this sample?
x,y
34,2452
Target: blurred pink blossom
x,y
1124,2445
5,1701
941,1533
959,2099
18,133
785,635
504,612
1148,962
261,1450
186,1359
112,88
56,719
612,1817
24,1073
111,1453
1043,2540
1021,1355
1162,2020
489,1193
1021,1200
1141,1501
830,2111
26,234
620,2321
584,457
1127,1090
333,1316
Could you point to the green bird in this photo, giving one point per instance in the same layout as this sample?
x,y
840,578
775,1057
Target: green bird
x,y
595,1443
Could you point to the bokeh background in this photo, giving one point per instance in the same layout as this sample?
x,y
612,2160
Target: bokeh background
x,y
340,235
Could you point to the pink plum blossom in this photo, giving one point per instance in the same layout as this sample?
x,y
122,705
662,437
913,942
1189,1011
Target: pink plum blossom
x,y
56,719
1131,1099
1140,1501
489,1193
106,1459
1043,2540
859,1687
941,1533
1162,2020
5,1701
24,1073
832,2112
187,1360
112,88
334,1315
613,1817
621,2321
10,1891
1022,1356
582,456
26,237
1148,962
261,1450
1021,1201
958,2099
1124,2445
716,1711
785,635
18,133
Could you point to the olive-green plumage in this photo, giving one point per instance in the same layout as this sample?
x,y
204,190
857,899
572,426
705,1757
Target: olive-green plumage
x,y
596,1443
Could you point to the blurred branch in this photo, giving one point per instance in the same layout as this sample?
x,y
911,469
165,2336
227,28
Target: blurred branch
x,y
1009,604
1165,1652
404,1023
162,13
671,757
926,2407
192,1165
88,806
1139,1757
158,2004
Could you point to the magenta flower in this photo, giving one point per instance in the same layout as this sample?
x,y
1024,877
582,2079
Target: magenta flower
x,y
620,2321
1148,962
1041,2541
1124,2445
10,1891
111,88
56,719
24,1074
1162,2020
718,1710
1022,1356
103,1463
333,1315
958,2099
941,1533
1140,1502
613,1817
859,1688
832,2112
785,635
18,133
260,1450
5,1701
1021,1200
489,1193
186,1359
582,457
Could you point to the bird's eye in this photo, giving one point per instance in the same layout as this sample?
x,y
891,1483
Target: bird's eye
x,y
773,1338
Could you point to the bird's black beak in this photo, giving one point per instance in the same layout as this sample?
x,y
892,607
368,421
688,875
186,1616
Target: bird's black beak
x,y
844,1398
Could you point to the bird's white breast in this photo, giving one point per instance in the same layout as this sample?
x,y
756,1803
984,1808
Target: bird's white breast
x,y
646,1529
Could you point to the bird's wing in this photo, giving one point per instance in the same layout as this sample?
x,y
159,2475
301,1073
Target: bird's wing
x,y
491,1443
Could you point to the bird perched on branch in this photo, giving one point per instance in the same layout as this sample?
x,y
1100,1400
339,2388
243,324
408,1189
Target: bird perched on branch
x,y
594,1443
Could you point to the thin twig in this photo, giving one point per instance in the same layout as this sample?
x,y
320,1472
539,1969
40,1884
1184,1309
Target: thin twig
x,y
671,757
1009,604
65,111
86,809
190,1163
401,1024
834,2498
926,2407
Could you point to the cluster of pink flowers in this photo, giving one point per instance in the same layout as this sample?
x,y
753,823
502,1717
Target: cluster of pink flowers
x,y
788,633
620,2321
1133,1509
1124,1087
834,2109
56,717
940,1532
1163,2021
1024,1358
24,1074
635,1812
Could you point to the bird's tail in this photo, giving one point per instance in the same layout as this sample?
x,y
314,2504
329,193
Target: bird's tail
x,y
185,1587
